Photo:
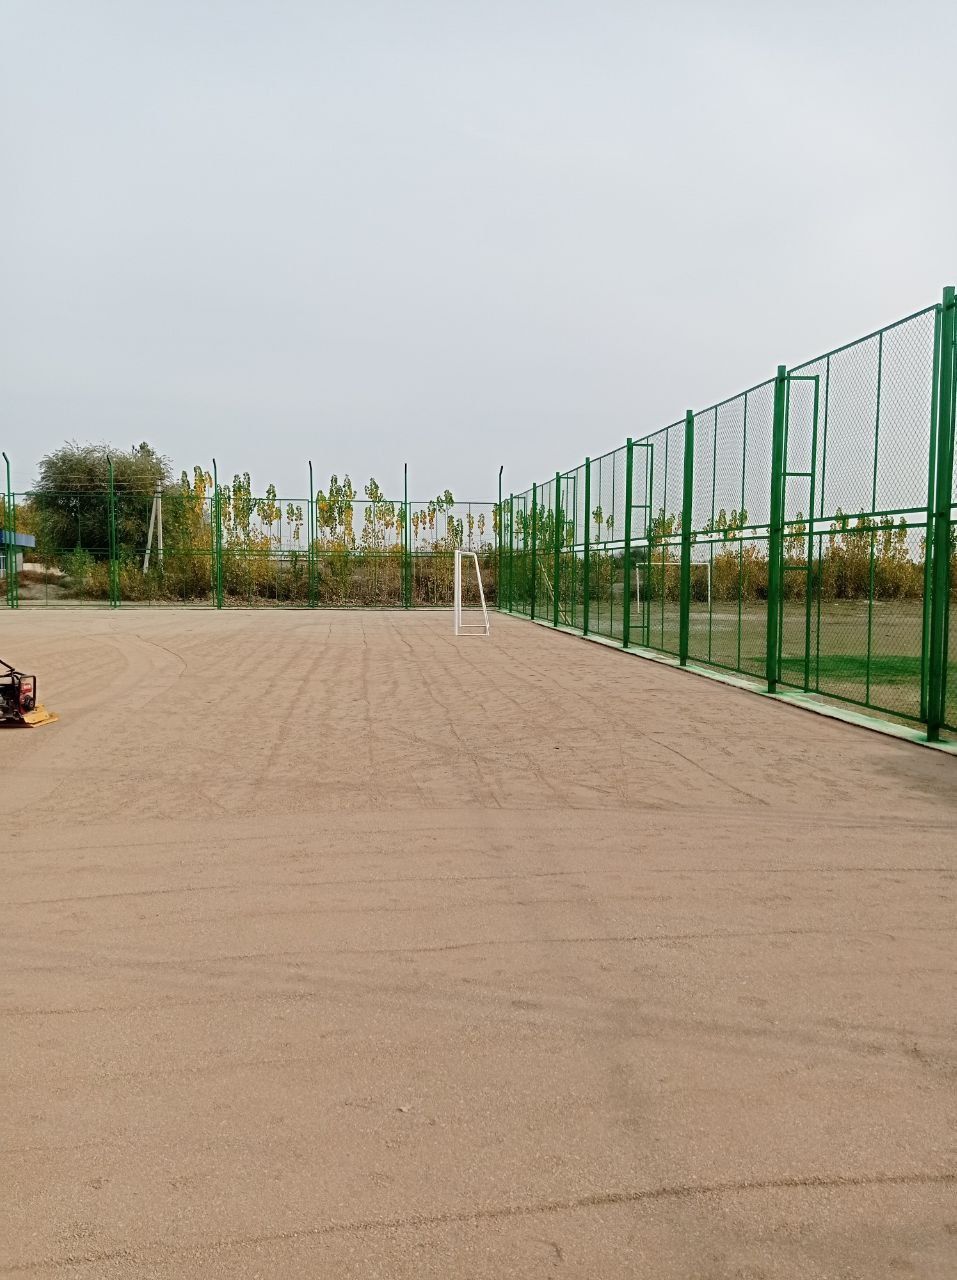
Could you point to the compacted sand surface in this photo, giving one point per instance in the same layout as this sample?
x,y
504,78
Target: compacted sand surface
x,y
335,946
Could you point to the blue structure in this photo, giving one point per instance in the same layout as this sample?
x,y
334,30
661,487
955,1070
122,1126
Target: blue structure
x,y
21,542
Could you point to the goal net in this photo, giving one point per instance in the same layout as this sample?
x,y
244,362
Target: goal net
x,y
472,625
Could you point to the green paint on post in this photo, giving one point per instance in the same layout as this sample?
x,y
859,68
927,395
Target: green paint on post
x,y
937,693
820,592
648,536
929,527
870,589
776,529
114,569
557,540
534,550
311,535
406,541
741,507
684,618
626,558
586,552
809,585
810,476
500,521
213,507
714,490
511,552
217,540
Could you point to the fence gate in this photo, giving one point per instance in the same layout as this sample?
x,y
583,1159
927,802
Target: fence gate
x,y
800,545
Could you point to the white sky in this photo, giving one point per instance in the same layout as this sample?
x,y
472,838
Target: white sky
x,y
457,234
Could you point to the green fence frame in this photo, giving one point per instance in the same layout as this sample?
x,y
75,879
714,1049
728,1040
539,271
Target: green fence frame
x,y
786,446
402,557
943,520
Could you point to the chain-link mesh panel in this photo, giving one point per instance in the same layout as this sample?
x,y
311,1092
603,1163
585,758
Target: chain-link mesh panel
x,y
374,579
543,550
571,562
70,563
858,440
606,544
265,547
853,432
437,529
658,553
730,531
164,546
701,631
521,553
189,544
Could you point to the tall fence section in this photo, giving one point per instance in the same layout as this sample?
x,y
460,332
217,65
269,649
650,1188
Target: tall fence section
x,y
203,542
801,533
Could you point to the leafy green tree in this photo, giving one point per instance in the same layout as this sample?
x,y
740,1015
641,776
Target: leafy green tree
x,y
70,501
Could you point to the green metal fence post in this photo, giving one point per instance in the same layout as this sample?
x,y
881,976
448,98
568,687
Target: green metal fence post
x,y
687,491
499,594
311,558
219,548
9,539
406,542
15,575
557,540
929,526
534,592
776,527
114,573
943,501
217,532
586,553
511,552
629,497
212,533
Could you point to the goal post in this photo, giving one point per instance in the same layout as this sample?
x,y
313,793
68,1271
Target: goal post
x,y
465,627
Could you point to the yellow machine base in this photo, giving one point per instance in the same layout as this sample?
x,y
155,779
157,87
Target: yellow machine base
x,y
32,719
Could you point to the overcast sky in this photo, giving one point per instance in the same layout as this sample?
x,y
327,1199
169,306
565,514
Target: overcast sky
x,y
451,233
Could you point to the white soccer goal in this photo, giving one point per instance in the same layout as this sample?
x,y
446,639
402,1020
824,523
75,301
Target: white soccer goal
x,y
463,628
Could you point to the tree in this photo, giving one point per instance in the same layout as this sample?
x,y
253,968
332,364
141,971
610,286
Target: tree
x,y
70,497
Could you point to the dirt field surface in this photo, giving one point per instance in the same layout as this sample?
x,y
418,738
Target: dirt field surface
x,y
333,946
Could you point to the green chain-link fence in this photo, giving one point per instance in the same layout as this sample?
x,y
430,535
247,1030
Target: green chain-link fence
x,y
206,543
801,532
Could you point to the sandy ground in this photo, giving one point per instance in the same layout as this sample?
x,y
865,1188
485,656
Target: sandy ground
x,y
333,946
